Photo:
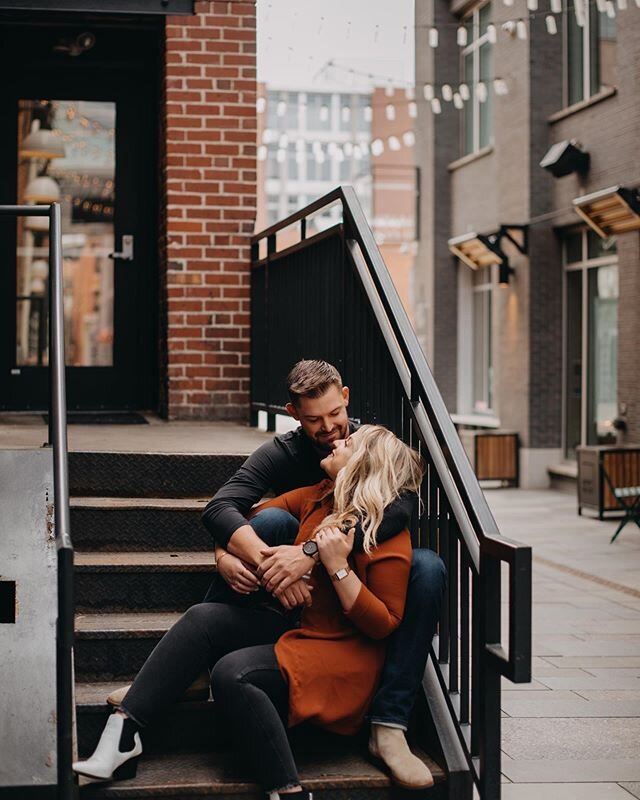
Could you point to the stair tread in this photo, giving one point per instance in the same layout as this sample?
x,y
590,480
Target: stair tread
x,y
136,561
110,503
342,766
92,695
126,625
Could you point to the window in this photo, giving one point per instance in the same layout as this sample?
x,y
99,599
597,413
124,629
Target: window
x,y
591,340
476,72
346,112
318,112
273,209
273,167
363,113
591,53
481,328
292,162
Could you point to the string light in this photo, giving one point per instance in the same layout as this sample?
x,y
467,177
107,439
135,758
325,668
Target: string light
x,y
261,104
550,22
377,147
457,101
465,94
433,37
521,29
611,10
461,36
556,6
262,152
409,138
436,107
367,113
281,108
427,91
532,5
394,143
390,111
413,110
492,34
447,93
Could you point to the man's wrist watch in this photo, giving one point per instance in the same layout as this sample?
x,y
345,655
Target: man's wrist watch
x,y
310,548
341,574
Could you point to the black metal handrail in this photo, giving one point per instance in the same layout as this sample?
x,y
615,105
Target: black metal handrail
x,y
457,522
57,440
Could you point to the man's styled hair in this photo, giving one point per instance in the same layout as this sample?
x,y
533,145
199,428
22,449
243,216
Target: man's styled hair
x,y
311,378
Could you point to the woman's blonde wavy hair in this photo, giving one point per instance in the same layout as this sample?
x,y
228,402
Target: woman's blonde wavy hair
x,y
379,470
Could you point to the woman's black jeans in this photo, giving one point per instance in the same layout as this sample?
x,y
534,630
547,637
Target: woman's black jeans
x,y
202,638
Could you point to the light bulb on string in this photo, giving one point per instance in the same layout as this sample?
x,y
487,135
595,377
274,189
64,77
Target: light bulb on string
x,y
324,112
347,147
550,22
465,94
508,3
410,93
283,141
509,26
412,108
579,11
394,143
268,136
377,147
481,91
458,101
532,5
409,138
492,35
281,108
500,86
345,114
461,36
556,6
601,5
364,146
357,152
281,155
390,112
261,105
262,152
622,5
447,93
367,113
433,37
389,90
436,106
427,91
521,29
611,10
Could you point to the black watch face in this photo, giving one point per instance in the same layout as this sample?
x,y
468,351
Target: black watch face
x,y
309,548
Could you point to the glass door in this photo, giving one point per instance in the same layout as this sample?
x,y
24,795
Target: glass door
x,y
81,132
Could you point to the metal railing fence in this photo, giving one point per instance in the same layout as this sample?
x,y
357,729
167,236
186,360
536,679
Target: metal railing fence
x,y
57,440
330,296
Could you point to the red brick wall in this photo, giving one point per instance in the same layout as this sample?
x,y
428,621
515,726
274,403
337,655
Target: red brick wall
x,y
209,178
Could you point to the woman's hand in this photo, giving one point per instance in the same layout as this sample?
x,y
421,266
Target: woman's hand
x,y
237,574
334,547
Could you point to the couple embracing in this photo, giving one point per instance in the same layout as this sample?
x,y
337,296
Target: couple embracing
x,y
320,611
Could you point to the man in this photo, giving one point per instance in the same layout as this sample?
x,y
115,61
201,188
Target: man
x,y
319,401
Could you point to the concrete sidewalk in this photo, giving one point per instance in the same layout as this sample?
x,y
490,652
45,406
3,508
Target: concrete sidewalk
x,y
574,731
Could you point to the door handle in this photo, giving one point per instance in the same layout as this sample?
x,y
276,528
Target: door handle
x,y
126,254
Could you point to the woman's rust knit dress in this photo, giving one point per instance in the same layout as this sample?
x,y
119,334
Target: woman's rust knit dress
x,y
333,661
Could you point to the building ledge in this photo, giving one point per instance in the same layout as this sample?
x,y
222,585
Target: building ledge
x,y
475,420
590,101
468,159
567,469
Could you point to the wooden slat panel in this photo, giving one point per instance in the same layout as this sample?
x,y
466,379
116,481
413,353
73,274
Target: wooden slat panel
x,y
496,456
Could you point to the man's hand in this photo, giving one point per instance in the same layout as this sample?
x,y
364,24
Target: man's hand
x,y
236,573
297,594
282,567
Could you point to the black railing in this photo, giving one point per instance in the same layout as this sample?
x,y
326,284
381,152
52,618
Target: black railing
x,y
329,295
57,440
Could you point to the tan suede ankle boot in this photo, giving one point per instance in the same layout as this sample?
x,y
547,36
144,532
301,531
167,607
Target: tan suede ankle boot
x,y
390,746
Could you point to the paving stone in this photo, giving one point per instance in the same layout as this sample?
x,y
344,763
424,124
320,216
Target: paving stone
x,y
550,706
598,772
630,696
591,682
595,662
580,739
563,791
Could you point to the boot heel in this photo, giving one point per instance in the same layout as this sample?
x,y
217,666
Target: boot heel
x,y
126,770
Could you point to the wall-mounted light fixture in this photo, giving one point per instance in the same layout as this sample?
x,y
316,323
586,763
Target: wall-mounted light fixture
x,y
610,211
566,157
479,250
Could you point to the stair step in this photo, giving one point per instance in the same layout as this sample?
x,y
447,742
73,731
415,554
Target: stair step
x,y
338,772
149,474
115,646
136,523
146,581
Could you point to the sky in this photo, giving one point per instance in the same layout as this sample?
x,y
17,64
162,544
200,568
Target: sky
x,y
297,40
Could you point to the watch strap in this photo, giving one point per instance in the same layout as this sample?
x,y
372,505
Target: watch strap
x,y
341,574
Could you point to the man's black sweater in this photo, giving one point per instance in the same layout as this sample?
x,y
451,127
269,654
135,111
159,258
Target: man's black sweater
x,y
287,462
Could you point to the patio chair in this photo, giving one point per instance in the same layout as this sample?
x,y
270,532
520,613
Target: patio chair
x,y
627,497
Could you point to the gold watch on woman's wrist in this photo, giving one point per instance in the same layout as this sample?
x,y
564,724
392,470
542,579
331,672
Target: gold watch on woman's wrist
x,y
341,574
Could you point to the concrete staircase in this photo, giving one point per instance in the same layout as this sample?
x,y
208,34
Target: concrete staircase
x,y
142,558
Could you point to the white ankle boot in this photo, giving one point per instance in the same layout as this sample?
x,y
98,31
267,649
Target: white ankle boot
x,y
390,746
107,762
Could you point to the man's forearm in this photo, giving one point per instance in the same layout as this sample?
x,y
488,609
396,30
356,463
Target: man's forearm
x,y
247,545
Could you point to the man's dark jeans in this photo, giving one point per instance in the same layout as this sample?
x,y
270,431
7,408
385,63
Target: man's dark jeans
x,y
408,647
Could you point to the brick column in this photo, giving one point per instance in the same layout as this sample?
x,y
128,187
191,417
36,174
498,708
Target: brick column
x,y
209,177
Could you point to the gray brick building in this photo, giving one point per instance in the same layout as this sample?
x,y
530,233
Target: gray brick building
x,y
554,354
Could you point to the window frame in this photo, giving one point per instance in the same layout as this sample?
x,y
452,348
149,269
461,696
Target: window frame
x,y
473,48
584,265
592,14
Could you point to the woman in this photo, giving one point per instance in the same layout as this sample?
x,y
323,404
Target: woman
x,y
267,674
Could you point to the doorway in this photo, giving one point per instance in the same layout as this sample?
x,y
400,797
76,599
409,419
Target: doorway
x,y
78,125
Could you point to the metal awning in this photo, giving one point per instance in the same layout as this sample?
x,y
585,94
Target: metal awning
x,y
102,6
